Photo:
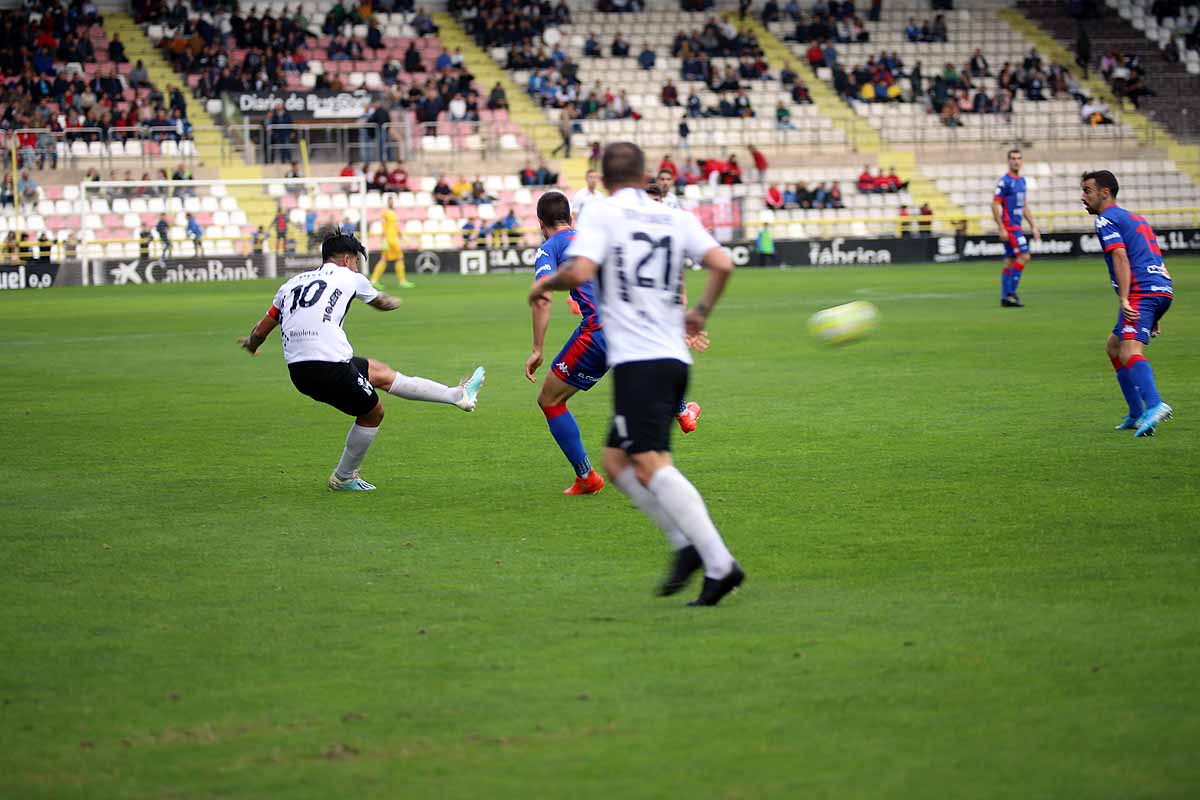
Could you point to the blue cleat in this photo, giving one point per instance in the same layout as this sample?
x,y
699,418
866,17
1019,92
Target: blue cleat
x,y
470,387
1149,421
352,484
1127,424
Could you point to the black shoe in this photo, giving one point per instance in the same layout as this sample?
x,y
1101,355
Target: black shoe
x,y
1011,301
687,561
716,588
1016,300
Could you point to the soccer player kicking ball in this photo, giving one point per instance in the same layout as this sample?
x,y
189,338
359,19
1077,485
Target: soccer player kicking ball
x,y
1009,205
636,248
1143,286
309,310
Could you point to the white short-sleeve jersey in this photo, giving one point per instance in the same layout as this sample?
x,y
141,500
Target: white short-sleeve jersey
x,y
670,200
640,245
310,309
583,198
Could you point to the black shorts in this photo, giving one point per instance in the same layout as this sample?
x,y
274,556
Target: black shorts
x,y
343,385
646,398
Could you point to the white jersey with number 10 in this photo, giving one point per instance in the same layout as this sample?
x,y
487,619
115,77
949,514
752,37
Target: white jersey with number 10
x,y
310,309
640,246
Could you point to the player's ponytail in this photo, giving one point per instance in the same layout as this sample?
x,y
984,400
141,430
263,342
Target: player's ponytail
x,y
343,244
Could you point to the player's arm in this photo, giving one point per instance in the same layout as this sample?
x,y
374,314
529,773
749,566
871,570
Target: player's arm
x,y
998,213
261,331
720,268
1033,226
1124,275
540,317
384,302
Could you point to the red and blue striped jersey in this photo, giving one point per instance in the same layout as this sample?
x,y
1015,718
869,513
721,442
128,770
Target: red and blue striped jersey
x,y
1120,229
1011,192
553,254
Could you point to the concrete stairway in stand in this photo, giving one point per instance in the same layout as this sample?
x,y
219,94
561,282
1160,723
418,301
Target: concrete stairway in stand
x,y
138,47
535,126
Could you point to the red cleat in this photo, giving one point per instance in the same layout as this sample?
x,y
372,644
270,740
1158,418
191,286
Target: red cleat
x,y
590,484
688,419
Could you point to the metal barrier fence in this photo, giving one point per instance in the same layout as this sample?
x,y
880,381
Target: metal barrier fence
x,y
116,145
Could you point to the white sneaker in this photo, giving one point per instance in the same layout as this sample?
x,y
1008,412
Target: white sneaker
x,y
470,387
352,484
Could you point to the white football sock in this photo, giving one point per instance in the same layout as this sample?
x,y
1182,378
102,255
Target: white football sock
x,y
648,504
411,388
686,508
358,442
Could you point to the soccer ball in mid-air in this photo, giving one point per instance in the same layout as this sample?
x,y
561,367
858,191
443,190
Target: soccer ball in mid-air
x,y
845,323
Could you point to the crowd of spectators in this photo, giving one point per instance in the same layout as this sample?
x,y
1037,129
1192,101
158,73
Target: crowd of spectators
x,y
48,98
800,196
1126,75
500,23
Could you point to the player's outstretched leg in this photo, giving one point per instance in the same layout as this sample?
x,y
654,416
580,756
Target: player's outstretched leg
x,y
688,416
345,477
685,559
464,395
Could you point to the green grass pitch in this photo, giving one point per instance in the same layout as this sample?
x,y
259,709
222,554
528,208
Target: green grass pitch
x,y
962,582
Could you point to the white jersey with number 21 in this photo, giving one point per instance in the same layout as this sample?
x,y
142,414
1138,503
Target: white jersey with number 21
x,y
640,245
310,309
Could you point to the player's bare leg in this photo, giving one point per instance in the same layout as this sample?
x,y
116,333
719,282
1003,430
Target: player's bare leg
x,y
464,395
661,491
345,477
552,399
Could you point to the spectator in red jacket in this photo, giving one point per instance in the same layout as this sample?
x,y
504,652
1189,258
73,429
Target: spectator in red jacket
x,y
760,162
774,198
894,183
816,56
668,165
732,173
866,182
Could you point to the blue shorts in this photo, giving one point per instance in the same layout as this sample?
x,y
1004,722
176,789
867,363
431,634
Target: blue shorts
x,y
1150,311
1015,242
583,360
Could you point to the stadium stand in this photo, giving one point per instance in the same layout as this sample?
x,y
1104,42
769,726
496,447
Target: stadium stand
x,y
900,83
497,129
1149,60
607,97
429,101
70,93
